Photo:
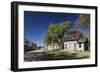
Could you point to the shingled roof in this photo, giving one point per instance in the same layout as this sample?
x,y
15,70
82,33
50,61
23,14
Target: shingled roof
x,y
82,39
78,36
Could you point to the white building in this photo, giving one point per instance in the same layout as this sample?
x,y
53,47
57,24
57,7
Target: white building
x,y
52,46
76,42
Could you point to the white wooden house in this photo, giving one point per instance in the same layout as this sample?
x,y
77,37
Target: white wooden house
x,y
76,42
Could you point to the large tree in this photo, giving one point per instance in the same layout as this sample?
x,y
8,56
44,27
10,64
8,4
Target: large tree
x,y
51,36
62,28
55,33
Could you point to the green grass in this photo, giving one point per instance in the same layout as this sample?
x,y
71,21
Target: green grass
x,y
65,55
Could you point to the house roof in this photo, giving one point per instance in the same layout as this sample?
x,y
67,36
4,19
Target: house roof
x,y
77,36
82,40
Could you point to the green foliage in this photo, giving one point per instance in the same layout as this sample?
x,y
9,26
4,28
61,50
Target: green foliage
x,y
47,38
74,31
56,32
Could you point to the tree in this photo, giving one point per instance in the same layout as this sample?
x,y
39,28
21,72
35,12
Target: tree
x,y
84,20
74,31
51,36
47,38
56,32
29,45
62,28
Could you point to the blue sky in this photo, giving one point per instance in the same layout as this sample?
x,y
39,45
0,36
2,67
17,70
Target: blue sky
x,y
36,23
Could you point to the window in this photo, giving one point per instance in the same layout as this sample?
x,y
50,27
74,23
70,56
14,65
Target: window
x,y
66,46
79,45
75,46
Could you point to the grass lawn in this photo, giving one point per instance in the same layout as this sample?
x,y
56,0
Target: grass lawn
x,y
66,55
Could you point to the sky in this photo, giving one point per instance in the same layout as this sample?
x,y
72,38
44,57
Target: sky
x,y
36,24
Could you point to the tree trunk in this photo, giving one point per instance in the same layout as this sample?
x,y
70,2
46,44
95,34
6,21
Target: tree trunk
x,y
62,45
53,45
47,46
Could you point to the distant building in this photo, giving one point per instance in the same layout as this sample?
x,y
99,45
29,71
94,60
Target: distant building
x,y
52,46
